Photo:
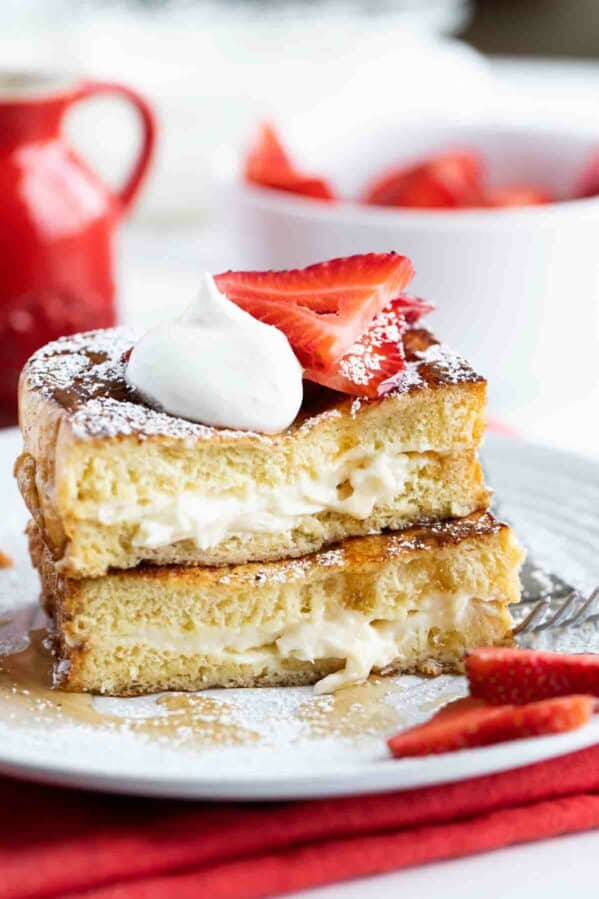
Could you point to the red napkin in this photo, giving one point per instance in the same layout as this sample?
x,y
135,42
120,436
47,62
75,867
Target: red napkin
x,y
55,842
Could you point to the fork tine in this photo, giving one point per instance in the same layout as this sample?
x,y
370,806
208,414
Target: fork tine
x,y
558,617
593,598
527,625
584,611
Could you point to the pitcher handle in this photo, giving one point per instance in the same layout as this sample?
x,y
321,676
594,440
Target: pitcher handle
x,y
128,192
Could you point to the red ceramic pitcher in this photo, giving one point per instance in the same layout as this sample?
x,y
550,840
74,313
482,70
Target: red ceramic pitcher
x,y
57,220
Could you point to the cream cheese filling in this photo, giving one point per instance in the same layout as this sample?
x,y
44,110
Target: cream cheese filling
x,y
360,641
359,481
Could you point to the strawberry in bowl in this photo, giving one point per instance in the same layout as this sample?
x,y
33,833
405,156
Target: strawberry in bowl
x,y
447,179
268,164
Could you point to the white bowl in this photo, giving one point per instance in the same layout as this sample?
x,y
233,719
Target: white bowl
x,y
516,290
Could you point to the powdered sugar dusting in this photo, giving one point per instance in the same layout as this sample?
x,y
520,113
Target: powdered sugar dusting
x,y
284,571
407,379
275,573
381,346
331,557
316,420
451,531
85,375
427,535
361,365
355,406
453,367
435,364
84,363
112,342
107,417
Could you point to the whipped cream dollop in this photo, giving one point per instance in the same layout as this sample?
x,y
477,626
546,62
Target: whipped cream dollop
x,y
219,366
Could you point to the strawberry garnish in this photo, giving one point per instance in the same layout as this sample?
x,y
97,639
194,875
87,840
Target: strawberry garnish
x,y
458,707
446,181
269,165
412,308
368,367
525,675
324,308
370,362
518,195
487,726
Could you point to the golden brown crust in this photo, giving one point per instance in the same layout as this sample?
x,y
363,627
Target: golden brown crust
x,y
74,371
105,626
353,553
287,673
444,486
89,444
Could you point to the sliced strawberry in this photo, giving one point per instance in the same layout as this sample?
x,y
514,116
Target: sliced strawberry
x,y
267,156
307,186
367,369
371,361
446,181
458,707
588,182
415,189
269,165
322,309
412,308
518,195
524,675
486,726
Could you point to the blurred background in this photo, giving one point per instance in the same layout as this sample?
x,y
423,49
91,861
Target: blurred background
x,y
212,68
207,66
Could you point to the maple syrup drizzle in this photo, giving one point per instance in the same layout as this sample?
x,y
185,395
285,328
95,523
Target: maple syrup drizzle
x,y
191,719
352,711
26,694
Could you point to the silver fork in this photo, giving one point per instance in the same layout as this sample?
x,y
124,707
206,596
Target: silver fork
x,y
573,611
556,602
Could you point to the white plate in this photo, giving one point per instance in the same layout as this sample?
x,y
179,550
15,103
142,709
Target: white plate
x,y
301,746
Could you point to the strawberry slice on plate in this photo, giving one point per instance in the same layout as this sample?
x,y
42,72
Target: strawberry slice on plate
x,y
269,165
446,181
324,308
486,726
369,366
525,675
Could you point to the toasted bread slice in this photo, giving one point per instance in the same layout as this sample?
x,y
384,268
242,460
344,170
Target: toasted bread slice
x,y
111,482
411,601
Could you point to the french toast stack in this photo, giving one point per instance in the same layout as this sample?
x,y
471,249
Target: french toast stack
x,y
176,556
